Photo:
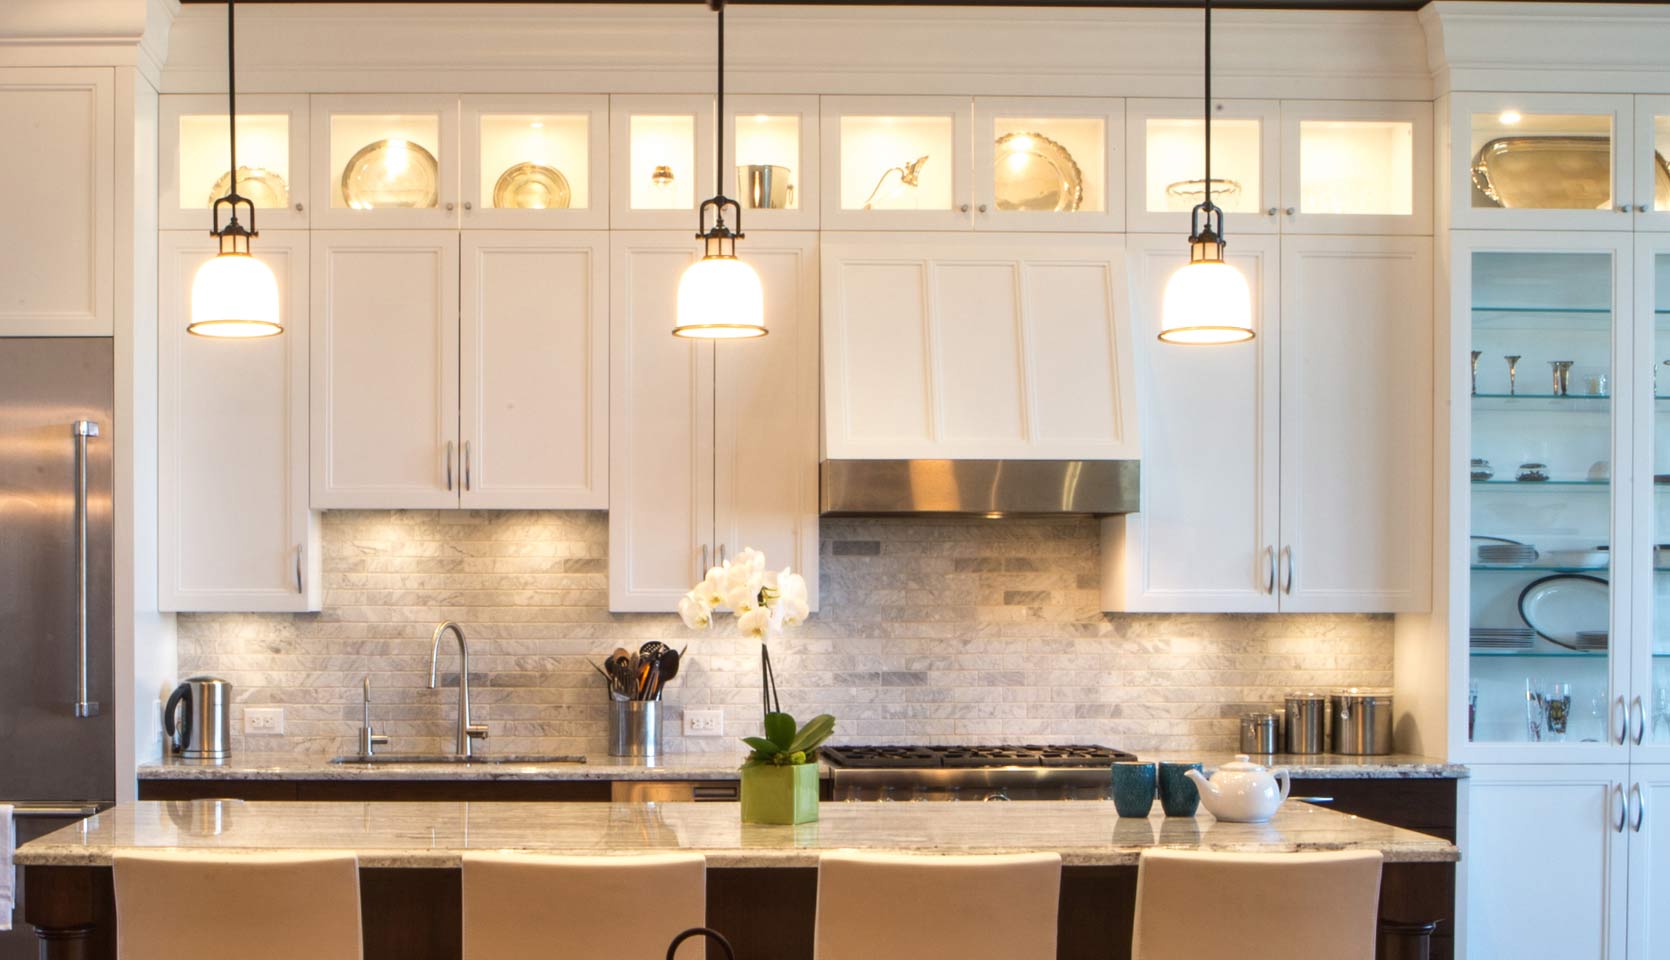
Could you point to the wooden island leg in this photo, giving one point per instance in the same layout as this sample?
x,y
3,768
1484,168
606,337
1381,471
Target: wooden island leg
x,y
73,911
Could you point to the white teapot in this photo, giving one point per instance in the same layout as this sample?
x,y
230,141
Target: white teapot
x,y
1242,791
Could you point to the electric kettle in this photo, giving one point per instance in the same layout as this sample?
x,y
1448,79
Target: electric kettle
x,y
198,719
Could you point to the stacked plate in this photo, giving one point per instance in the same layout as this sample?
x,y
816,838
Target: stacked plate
x,y
1516,554
1500,638
1591,640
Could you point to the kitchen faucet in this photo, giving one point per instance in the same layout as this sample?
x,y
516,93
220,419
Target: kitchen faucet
x,y
466,730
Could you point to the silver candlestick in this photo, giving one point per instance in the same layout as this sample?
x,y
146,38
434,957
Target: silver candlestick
x,y
1513,367
1476,355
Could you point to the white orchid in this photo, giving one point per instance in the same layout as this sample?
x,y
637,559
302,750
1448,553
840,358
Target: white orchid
x,y
792,602
744,578
763,601
694,609
757,623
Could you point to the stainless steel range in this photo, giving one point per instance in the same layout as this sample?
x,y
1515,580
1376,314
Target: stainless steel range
x,y
1003,772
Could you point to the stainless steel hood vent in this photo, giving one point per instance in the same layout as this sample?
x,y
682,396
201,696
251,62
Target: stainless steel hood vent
x,y
979,488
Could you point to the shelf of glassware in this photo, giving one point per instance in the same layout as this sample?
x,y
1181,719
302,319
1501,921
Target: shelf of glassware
x,y
1545,696
535,161
385,161
272,159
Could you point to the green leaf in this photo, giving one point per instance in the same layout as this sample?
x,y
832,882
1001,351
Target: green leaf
x,y
779,729
761,744
814,733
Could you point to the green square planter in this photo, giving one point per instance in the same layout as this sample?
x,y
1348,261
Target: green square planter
x,y
772,794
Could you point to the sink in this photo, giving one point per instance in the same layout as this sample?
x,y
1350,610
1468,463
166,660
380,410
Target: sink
x,y
448,758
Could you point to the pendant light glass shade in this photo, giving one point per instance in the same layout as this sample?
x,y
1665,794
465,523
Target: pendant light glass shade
x,y
234,295
720,298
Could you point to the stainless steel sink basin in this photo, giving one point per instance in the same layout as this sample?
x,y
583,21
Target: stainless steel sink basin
x,y
454,759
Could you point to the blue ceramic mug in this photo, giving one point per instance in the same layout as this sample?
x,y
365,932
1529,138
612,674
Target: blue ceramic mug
x,y
1178,796
1133,788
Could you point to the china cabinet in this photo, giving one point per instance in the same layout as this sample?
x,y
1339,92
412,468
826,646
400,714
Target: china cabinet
x,y
713,444
1652,163
384,161
772,142
234,529
955,346
58,281
1164,166
1253,452
272,149
1049,164
534,162
897,163
661,154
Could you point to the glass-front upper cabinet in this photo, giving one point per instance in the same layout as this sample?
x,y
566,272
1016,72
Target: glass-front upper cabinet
x,y
1649,714
535,162
272,159
1542,161
1165,164
385,160
1356,168
771,144
1652,163
1049,164
897,163
1543,329
662,154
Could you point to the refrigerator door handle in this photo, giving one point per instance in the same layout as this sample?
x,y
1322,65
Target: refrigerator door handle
x,y
81,431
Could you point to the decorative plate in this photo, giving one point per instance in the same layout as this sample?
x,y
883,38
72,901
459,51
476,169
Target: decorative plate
x,y
1560,607
1555,173
390,173
531,186
1036,173
1185,194
260,186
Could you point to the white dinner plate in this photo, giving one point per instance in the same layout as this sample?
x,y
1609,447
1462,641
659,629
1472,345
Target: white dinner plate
x,y
1558,607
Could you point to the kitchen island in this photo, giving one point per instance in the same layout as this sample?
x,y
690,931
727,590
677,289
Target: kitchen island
x,y
410,853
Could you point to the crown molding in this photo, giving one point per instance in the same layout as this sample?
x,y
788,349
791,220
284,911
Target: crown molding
x,y
641,48
88,33
1547,47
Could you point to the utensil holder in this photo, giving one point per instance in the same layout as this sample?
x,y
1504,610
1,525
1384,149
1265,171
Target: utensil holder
x,y
634,728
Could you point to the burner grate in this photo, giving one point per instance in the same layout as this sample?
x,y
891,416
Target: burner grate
x,y
977,756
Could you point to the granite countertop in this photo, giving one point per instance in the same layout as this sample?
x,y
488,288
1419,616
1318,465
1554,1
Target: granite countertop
x,y
692,766
419,834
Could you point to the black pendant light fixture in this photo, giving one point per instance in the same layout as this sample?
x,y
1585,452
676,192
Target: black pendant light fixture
x,y
234,295
719,296
1207,301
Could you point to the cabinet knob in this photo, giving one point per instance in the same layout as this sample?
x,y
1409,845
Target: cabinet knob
x,y
298,208
1271,212
1623,208
981,208
1290,211
467,207
963,208
449,204
1640,208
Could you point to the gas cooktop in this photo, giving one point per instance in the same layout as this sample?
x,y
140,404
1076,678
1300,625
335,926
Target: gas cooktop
x,y
857,757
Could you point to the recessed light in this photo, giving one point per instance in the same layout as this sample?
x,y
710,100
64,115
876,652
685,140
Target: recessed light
x,y
1510,117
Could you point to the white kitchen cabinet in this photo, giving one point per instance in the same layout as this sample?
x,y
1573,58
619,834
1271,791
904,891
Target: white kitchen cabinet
x,y
234,529
535,161
384,369
272,150
1356,424
661,158
897,163
1356,168
1206,536
384,161
59,229
1165,164
1546,860
533,370
1649,861
956,346
712,446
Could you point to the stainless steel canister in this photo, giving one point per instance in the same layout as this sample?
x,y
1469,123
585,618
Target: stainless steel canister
x,y
1306,716
1362,722
1260,733
634,728
763,186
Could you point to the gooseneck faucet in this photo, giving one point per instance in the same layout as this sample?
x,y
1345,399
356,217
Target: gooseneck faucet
x,y
466,730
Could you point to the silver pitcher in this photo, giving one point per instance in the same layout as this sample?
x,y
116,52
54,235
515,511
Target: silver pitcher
x,y
763,186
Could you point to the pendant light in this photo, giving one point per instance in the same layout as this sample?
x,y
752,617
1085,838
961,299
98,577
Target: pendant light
x,y
234,295
719,296
1207,301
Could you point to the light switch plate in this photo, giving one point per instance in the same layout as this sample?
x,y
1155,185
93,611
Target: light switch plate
x,y
704,723
263,720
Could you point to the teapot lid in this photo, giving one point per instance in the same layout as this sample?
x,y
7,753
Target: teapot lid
x,y
1242,762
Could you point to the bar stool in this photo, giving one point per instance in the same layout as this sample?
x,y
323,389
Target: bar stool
x,y
519,905
255,906
886,906
1256,906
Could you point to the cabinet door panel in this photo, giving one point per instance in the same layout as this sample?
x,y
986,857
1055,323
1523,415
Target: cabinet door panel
x,y
385,369
660,428
1205,537
234,527
876,352
766,427
58,233
1649,862
534,370
977,325
1543,863
1356,438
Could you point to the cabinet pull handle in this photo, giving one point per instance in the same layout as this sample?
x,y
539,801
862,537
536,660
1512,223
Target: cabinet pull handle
x,y
301,549
1270,561
466,465
80,431
1640,798
704,569
721,554
1619,712
1619,805
1638,714
1287,555
449,464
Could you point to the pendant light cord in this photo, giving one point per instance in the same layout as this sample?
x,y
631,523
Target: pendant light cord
x,y
719,135
1208,104
232,93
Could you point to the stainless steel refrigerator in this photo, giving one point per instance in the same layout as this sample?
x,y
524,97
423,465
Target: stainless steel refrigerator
x,y
57,723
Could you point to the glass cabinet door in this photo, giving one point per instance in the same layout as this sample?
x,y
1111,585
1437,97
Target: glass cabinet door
x,y
1547,552
1356,168
1542,161
535,161
272,155
896,163
385,161
771,144
1652,163
1165,164
662,153
1649,719
1049,164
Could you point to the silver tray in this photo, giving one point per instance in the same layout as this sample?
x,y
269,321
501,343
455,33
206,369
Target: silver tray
x,y
374,179
1555,173
1036,173
532,186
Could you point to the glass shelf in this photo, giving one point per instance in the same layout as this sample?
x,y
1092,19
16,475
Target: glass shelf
x,y
1553,654
1595,484
1538,568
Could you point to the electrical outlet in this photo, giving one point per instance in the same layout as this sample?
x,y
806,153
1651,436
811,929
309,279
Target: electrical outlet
x,y
704,723
264,720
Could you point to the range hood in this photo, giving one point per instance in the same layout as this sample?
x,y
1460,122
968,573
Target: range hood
x,y
978,488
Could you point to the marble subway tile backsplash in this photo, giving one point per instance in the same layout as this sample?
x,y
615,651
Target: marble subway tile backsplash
x,y
939,630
